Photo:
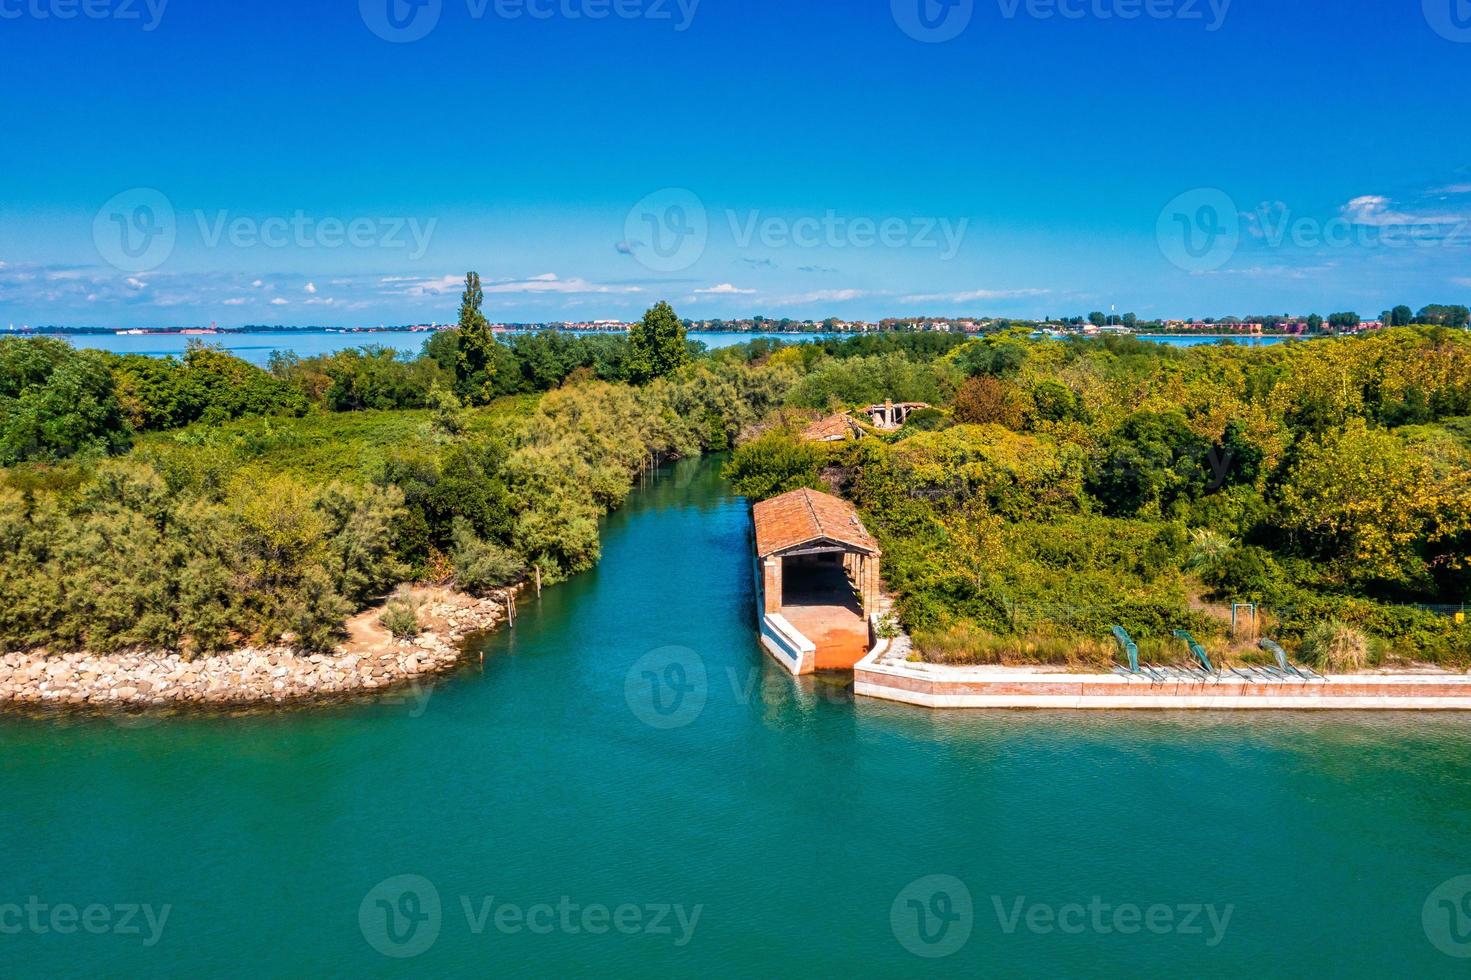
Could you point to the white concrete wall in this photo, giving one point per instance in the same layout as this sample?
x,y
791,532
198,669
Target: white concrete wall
x,y
787,646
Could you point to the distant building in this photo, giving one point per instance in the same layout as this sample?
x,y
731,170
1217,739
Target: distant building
x,y
835,428
890,416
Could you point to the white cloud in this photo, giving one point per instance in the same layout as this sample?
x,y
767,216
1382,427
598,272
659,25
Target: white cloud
x,y
311,287
822,296
975,294
1453,189
724,289
235,301
278,301
258,284
1272,272
134,283
1374,210
1465,281
549,282
414,286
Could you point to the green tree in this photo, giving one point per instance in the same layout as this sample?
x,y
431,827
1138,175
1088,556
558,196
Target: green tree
x,y
1401,316
775,464
1446,316
1367,502
474,367
656,345
56,402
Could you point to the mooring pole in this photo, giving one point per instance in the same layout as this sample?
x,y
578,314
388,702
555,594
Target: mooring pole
x,y
538,581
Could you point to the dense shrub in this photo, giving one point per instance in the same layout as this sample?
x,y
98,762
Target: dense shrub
x,y
401,617
775,464
56,402
482,565
1335,648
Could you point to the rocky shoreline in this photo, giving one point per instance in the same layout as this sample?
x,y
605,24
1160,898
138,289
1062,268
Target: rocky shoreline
x,y
371,661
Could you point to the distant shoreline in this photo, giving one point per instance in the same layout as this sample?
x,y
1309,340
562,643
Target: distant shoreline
x,y
539,327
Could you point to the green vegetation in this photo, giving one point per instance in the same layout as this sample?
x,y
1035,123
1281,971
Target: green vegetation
x,y
1335,647
1054,489
196,505
401,617
656,345
1072,485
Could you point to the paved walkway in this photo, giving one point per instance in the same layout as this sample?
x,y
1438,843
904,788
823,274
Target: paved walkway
x,y
821,604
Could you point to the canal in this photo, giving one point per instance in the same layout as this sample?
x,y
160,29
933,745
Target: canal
x,y
627,788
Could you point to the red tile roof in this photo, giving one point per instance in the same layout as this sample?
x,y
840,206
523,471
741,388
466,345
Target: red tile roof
x,y
832,429
805,517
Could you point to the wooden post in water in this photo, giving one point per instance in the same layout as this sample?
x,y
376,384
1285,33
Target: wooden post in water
x,y
538,581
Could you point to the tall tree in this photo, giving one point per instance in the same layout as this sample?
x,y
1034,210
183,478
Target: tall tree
x,y
1401,316
1446,316
473,369
656,345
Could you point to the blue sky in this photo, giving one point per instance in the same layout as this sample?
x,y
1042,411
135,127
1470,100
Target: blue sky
x,y
198,160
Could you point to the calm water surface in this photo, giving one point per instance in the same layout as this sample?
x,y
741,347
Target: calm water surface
x,y
794,817
258,347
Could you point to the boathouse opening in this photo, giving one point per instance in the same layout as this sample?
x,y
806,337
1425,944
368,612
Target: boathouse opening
x,y
818,570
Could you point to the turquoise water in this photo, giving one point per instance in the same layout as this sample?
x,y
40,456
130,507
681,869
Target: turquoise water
x,y
794,817
257,346
1240,340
